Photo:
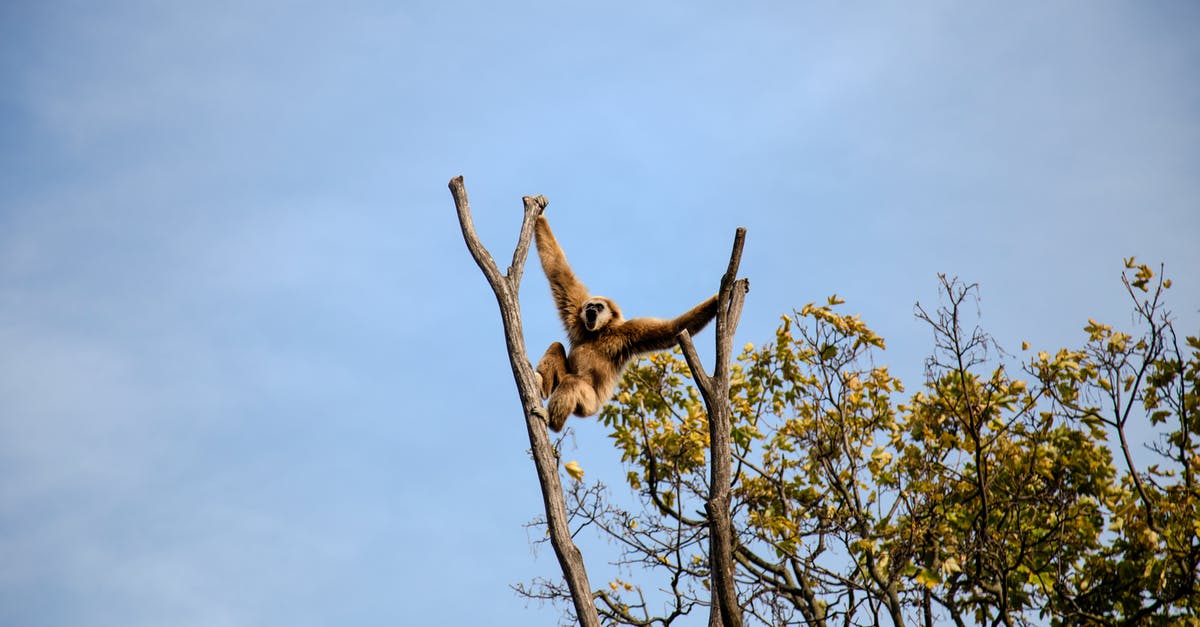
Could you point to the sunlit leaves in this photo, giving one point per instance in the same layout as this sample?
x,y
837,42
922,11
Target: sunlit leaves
x,y
1142,275
1004,491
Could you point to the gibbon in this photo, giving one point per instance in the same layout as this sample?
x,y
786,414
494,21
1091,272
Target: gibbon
x,y
602,341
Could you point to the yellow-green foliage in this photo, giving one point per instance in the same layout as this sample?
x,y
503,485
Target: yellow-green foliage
x,y
984,494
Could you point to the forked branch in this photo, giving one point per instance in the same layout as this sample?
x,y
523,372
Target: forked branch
x,y
715,390
545,459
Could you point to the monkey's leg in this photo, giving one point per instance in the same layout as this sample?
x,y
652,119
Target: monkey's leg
x,y
589,403
552,368
574,395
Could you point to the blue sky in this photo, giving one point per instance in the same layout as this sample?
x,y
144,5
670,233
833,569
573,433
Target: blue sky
x,y
250,375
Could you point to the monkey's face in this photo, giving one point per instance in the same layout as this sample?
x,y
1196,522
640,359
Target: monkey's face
x,y
597,312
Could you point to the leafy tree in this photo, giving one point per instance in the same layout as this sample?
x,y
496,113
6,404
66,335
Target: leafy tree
x,y
1003,491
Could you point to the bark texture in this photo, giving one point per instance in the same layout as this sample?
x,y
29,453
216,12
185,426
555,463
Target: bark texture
x,y
506,287
715,390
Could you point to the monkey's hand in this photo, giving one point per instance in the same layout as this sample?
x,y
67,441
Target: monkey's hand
x,y
541,202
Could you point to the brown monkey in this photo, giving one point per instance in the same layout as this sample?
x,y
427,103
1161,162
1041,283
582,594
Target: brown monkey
x,y
602,341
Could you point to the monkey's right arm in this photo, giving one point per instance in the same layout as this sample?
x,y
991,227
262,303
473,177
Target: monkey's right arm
x,y
646,335
569,293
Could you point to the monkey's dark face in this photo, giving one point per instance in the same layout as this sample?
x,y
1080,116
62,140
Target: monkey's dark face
x,y
597,313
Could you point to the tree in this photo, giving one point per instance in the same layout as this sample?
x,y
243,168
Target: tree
x,y
726,611
505,287
986,497
799,486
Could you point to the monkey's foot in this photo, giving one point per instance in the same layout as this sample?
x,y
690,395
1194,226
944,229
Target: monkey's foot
x,y
541,385
540,412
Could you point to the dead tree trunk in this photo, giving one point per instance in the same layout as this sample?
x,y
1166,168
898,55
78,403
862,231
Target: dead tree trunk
x,y
506,288
715,391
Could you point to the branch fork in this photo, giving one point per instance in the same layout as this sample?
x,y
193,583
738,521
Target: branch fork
x,y
715,389
545,456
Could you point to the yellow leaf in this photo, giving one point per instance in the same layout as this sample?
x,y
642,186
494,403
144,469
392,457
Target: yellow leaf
x,y
1024,346
573,469
929,578
863,545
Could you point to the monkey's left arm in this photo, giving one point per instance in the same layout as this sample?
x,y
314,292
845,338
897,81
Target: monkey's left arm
x,y
569,293
648,334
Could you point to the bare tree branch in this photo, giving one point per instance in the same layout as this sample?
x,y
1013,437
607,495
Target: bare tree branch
x,y
715,391
545,458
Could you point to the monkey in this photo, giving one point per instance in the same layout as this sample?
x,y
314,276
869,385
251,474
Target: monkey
x,y
602,341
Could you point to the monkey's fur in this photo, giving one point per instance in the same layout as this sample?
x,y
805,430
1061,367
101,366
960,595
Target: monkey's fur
x,y
602,341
